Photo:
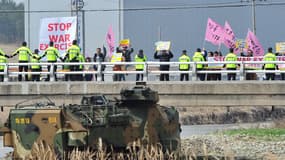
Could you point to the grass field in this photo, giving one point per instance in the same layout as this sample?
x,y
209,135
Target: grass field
x,y
259,132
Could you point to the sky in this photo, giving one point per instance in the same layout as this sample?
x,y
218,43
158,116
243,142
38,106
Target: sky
x,y
190,24
18,1
269,23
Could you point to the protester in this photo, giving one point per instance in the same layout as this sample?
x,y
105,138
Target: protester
x,y
163,56
88,77
118,57
100,57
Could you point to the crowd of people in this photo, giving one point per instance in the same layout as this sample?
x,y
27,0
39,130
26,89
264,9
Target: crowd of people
x,y
123,54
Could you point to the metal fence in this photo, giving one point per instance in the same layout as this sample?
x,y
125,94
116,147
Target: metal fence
x,y
150,69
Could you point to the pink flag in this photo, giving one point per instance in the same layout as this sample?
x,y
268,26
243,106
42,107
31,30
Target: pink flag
x,y
214,32
229,38
110,38
253,44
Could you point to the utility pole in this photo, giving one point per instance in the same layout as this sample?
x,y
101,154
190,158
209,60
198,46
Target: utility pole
x,y
253,13
253,4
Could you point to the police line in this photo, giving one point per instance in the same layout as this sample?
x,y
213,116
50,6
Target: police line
x,y
150,68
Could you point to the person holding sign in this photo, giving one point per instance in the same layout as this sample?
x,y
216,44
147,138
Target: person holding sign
x,y
270,66
184,67
163,56
232,66
24,54
52,55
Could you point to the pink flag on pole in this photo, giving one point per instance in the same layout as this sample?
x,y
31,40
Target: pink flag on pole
x,y
214,32
110,38
253,44
229,38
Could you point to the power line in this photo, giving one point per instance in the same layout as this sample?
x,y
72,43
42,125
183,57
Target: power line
x,y
213,6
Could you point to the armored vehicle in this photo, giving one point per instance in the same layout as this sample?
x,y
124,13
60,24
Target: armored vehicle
x,y
117,123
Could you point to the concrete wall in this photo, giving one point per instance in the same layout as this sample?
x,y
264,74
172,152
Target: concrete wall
x,y
172,93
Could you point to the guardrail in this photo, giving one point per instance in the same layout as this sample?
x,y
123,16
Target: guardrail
x,y
150,68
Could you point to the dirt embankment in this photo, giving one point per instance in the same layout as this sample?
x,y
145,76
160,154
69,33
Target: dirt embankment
x,y
225,115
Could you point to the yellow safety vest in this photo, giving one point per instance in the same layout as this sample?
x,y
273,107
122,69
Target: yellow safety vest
x,y
232,58
198,57
73,52
35,60
138,59
24,53
184,58
269,57
117,57
52,54
3,59
81,59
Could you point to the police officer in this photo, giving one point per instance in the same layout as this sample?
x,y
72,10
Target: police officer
x,y
184,67
72,54
36,68
81,58
3,59
198,57
24,53
52,55
140,57
231,57
270,66
163,56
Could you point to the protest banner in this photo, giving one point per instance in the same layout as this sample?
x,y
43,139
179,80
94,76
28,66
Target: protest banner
x,y
110,39
229,38
280,47
60,30
125,42
253,44
249,66
214,32
163,45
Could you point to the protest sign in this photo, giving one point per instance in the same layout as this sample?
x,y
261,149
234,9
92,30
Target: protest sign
x,y
60,30
253,44
125,42
229,38
110,39
249,66
214,32
280,47
163,45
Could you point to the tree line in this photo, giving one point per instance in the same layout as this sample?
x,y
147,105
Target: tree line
x,y
12,26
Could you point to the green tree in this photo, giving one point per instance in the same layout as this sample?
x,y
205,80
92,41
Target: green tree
x,y
11,21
